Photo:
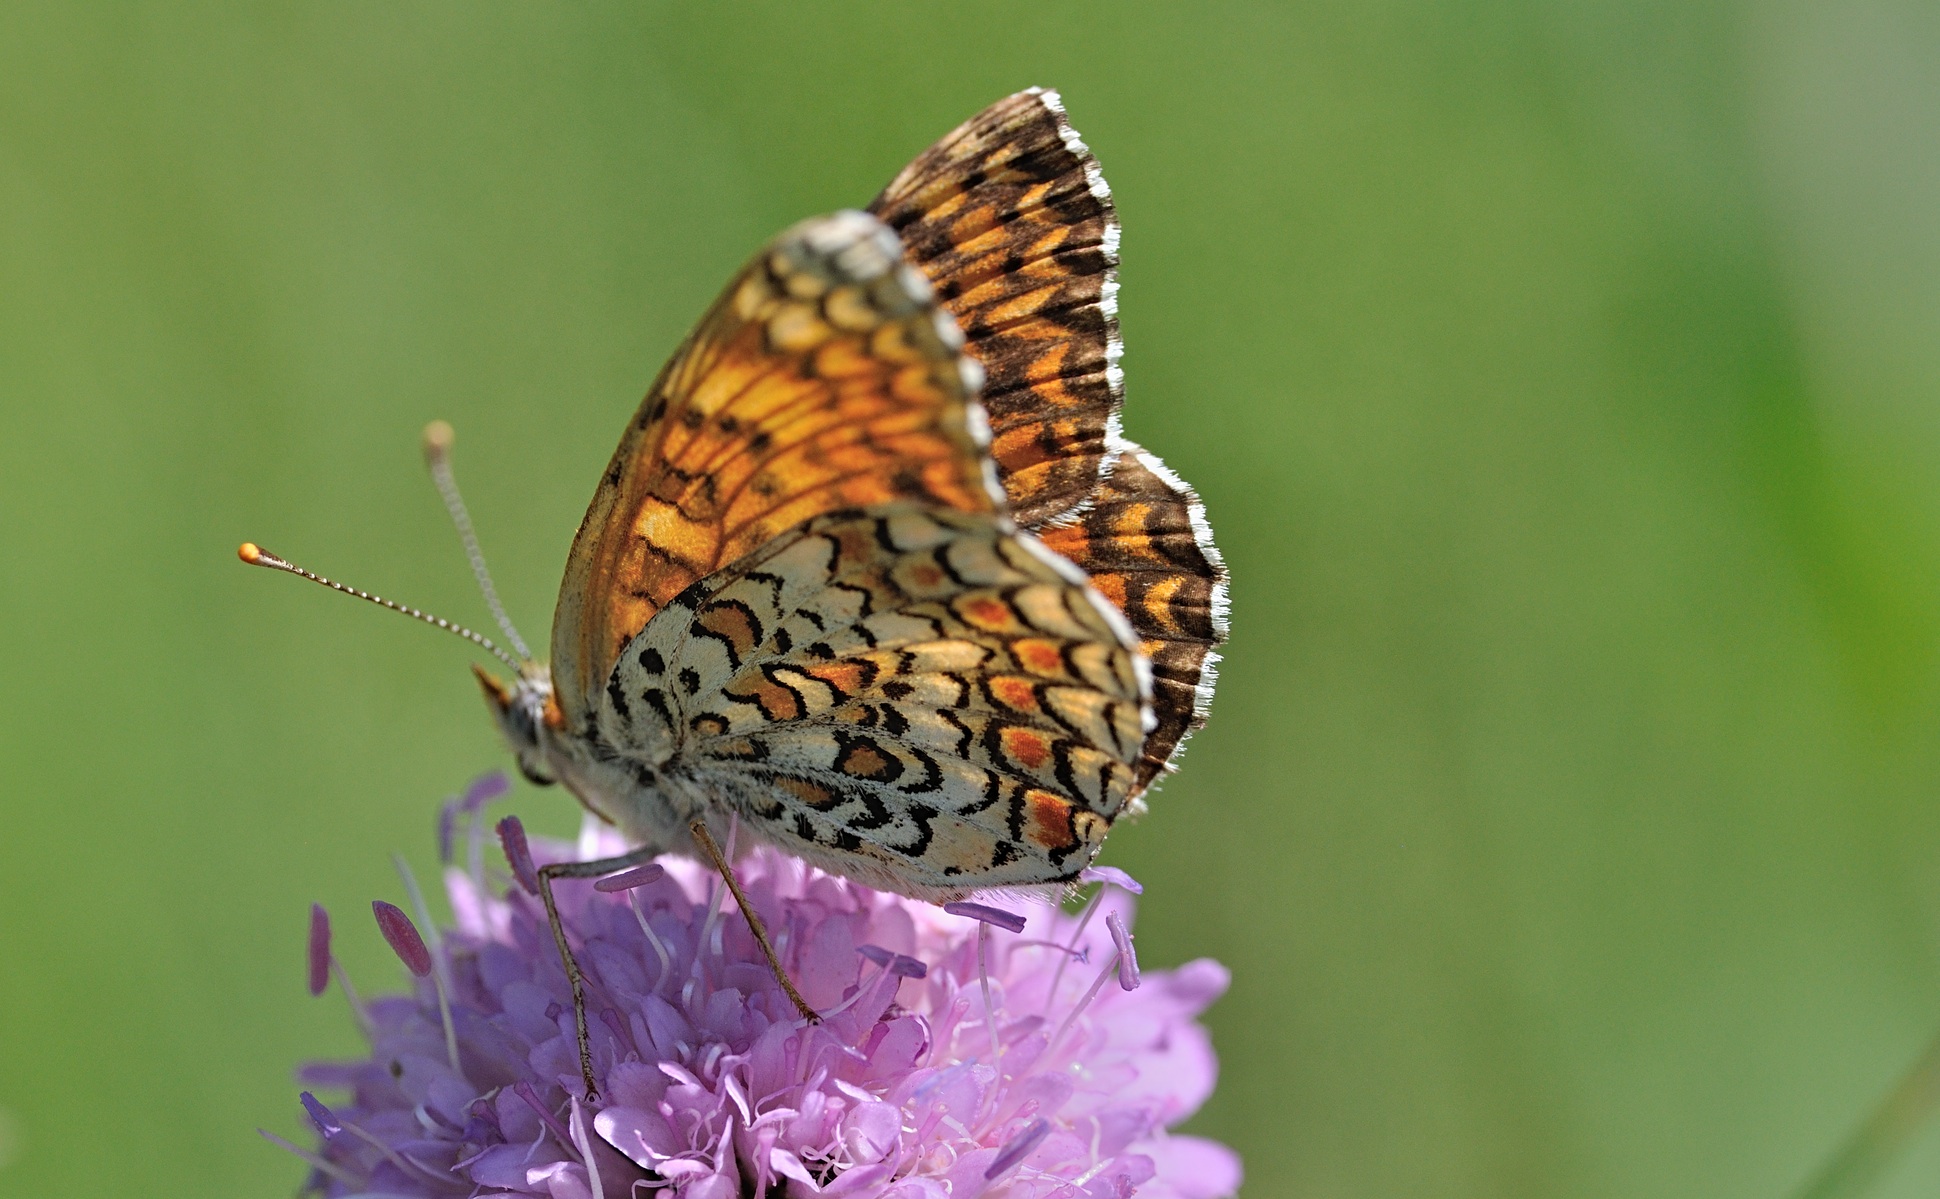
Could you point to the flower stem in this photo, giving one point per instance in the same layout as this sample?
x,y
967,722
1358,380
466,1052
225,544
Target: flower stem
x,y
1872,1147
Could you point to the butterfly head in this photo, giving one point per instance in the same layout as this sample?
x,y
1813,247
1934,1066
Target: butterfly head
x,y
526,715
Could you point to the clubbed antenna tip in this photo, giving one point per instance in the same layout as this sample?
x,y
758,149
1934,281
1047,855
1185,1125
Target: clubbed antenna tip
x,y
256,555
438,436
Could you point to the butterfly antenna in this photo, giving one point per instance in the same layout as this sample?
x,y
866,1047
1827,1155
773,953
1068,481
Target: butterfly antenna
x,y
438,436
256,555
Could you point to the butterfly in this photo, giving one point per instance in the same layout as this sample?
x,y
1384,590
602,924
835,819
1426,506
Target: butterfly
x,y
873,570
874,574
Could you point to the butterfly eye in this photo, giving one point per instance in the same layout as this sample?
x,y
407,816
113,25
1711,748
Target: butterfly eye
x,y
534,773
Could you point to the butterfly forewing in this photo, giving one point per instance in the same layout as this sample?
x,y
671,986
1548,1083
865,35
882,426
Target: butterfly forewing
x,y
918,698
1011,220
825,377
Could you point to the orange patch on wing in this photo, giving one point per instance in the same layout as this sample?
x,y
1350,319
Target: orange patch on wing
x,y
1158,604
1049,365
1018,307
864,762
1039,656
1019,695
817,797
989,614
1129,534
732,622
1027,746
973,224
845,676
1112,587
1050,820
775,701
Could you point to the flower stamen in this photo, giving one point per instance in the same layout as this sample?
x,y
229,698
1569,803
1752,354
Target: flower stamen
x,y
511,837
1010,922
1112,875
327,1124
319,949
440,970
627,880
1127,956
402,936
1018,1148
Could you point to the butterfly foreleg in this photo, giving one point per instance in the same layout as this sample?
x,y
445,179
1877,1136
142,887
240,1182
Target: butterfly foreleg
x,y
592,869
705,840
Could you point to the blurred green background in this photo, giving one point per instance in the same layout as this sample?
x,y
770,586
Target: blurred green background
x,y
1561,379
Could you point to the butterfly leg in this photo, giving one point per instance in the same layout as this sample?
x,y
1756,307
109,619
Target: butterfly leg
x,y
593,869
705,840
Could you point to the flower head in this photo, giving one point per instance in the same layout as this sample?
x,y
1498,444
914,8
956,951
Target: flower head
x,y
711,1087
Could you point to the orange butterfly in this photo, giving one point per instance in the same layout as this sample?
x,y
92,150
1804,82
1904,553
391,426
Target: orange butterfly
x,y
873,572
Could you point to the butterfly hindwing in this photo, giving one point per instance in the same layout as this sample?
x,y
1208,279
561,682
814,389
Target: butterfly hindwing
x,y
1011,220
1145,545
921,699
825,377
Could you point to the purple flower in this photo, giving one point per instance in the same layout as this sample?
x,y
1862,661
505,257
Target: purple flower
x,y
712,1088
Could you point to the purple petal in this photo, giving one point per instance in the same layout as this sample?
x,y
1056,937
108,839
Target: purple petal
x,y
511,835
403,937
871,1130
1008,921
319,949
325,1120
1019,1147
1127,956
1193,1167
626,880
1112,875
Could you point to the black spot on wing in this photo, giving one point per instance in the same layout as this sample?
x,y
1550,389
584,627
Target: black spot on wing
x,y
617,697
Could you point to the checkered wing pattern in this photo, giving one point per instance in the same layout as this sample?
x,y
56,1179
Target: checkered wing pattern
x,y
1145,545
826,377
1010,219
920,699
